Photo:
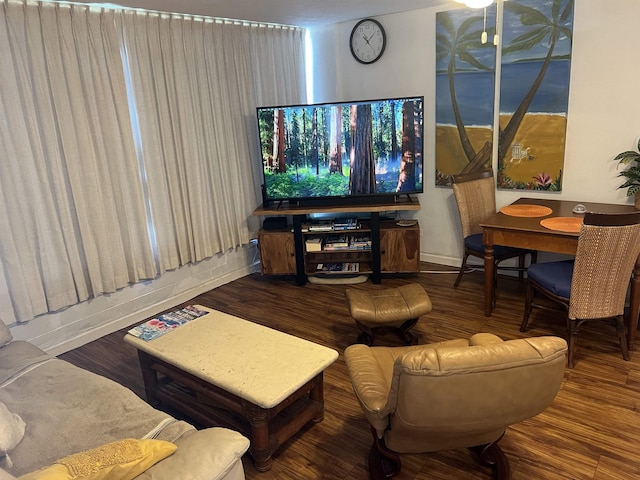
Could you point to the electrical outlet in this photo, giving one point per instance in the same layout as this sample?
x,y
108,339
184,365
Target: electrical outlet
x,y
421,232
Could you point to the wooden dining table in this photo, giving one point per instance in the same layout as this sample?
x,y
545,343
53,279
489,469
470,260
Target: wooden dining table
x,y
521,227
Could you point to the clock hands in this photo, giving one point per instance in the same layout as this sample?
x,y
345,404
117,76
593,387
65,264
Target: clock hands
x,y
367,39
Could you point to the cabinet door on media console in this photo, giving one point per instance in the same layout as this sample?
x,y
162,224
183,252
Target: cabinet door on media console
x,y
399,248
277,252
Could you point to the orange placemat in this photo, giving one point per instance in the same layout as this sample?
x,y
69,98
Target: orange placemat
x,y
563,224
525,210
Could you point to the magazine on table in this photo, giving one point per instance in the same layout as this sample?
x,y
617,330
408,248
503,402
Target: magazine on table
x,y
165,323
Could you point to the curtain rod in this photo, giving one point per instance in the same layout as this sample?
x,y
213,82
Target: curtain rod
x,y
224,20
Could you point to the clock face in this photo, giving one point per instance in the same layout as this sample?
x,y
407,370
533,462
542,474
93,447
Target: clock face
x,y
367,41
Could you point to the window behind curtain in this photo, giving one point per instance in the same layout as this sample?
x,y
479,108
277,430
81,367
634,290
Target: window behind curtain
x,y
101,188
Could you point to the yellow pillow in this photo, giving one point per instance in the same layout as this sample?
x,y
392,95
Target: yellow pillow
x,y
121,460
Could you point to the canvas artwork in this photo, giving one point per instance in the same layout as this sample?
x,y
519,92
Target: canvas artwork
x,y
465,84
534,93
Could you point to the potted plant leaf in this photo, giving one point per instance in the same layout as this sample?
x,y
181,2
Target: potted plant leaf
x,y
631,160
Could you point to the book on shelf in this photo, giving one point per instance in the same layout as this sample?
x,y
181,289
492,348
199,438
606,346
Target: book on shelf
x,y
360,247
322,226
313,244
338,267
330,247
336,241
346,224
351,267
165,323
360,242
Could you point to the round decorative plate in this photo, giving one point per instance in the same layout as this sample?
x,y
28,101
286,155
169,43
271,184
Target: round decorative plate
x,y
562,224
525,210
406,223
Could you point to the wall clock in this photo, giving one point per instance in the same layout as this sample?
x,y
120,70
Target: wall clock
x,y
367,41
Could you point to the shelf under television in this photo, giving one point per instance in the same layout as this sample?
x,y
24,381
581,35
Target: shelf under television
x,y
333,256
363,229
400,203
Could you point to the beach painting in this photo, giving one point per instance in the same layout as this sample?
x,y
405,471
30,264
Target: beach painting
x,y
534,92
465,84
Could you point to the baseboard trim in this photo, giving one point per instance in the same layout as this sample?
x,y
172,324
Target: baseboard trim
x,y
145,312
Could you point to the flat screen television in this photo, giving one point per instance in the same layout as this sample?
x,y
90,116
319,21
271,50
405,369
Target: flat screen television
x,y
356,152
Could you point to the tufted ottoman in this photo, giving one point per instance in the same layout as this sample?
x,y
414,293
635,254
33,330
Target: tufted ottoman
x,y
388,310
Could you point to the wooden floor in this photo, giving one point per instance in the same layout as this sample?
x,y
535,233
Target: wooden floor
x,y
592,430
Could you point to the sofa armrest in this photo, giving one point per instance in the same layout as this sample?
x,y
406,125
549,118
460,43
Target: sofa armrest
x,y
207,454
4,475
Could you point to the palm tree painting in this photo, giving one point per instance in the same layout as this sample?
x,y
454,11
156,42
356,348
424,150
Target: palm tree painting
x,y
465,79
534,92
536,42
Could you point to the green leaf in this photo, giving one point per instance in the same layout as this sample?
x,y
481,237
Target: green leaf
x,y
625,158
633,190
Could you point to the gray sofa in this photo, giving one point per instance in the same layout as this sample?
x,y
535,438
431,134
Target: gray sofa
x,y
50,409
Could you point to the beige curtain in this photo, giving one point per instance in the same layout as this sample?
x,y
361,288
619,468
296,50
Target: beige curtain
x,y
195,94
128,144
72,213
276,62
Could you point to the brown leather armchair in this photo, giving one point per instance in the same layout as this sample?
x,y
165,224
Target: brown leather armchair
x,y
452,394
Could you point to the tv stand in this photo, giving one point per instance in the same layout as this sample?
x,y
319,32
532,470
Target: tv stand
x,y
283,252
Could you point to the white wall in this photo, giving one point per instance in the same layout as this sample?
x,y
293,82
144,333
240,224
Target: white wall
x,y
603,117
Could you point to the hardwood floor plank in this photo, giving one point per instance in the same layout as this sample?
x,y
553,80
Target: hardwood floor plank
x,y
592,430
613,469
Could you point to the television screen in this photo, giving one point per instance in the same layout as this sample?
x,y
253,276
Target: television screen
x,y
335,152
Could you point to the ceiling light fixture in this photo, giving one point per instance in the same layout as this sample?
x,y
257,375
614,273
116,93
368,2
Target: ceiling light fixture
x,y
476,3
483,4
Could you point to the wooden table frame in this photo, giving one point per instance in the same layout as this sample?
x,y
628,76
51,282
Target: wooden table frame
x,y
523,232
267,428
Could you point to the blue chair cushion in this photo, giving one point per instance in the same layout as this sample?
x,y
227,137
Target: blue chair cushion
x,y
553,276
474,242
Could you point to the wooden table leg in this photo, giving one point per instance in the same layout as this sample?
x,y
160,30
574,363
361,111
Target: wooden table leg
x,y
316,395
149,377
634,304
260,448
489,267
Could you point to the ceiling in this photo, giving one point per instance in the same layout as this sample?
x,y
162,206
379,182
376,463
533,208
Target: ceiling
x,y
304,13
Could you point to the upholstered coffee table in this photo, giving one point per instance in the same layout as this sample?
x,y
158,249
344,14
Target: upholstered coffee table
x,y
220,369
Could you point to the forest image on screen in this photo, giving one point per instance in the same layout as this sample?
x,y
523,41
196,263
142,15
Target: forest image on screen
x,y
342,149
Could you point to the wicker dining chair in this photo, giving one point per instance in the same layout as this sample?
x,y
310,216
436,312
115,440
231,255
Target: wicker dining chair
x,y
475,195
594,285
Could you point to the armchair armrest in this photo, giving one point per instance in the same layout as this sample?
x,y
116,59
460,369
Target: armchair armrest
x,y
367,377
369,384
372,371
485,339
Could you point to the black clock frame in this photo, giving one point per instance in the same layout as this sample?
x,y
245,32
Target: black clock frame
x,y
384,40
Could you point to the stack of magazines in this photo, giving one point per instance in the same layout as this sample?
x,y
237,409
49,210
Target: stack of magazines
x,y
165,323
